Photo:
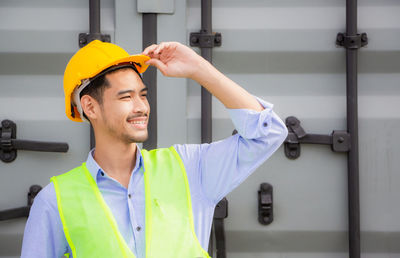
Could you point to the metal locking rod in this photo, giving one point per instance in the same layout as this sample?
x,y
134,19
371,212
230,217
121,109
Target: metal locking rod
x,y
339,140
23,211
9,145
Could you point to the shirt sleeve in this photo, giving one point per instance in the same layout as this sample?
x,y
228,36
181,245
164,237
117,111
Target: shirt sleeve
x,y
217,168
44,236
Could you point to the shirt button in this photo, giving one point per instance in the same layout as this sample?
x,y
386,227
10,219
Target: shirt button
x,y
265,124
129,196
138,228
102,173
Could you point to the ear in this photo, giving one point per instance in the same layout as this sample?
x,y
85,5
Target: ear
x,y
90,107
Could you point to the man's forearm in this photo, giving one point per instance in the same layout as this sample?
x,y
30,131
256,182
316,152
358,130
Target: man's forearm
x,y
227,91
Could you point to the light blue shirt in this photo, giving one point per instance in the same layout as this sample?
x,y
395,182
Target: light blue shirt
x,y
213,170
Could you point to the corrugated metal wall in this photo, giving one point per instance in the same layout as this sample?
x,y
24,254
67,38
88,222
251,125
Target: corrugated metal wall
x,y
37,39
282,51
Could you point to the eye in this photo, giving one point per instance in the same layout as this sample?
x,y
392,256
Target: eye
x,y
126,97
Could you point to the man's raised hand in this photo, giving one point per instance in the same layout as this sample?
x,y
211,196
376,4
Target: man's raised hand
x,y
173,59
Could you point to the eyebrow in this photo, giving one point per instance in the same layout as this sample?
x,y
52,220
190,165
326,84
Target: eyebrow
x,y
129,91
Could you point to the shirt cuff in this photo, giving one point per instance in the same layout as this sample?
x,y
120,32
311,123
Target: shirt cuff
x,y
252,124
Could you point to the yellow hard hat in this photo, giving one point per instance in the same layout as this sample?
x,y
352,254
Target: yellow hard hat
x,y
90,61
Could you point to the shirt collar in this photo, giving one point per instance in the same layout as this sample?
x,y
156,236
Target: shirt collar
x,y
95,169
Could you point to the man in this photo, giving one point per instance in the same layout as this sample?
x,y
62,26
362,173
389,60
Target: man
x,y
127,202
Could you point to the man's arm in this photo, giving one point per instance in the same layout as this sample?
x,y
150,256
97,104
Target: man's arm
x,y
224,89
44,236
174,59
219,167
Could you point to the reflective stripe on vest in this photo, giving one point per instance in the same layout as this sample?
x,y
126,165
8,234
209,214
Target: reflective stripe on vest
x,y
90,227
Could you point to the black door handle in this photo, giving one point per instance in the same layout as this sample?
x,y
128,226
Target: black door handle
x,y
9,144
265,204
22,211
39,146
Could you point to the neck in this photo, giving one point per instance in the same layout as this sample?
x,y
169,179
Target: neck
x,y
116,158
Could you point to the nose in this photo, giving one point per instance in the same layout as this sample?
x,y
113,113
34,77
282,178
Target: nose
x,y
140,105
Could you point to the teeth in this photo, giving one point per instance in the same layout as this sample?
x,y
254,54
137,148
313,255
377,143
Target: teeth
x,y
138,122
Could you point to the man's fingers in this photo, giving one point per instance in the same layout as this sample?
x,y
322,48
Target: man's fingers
x,y
161,47
157,63
149,49
155,49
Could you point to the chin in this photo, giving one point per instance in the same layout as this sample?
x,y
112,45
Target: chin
x,y
138,138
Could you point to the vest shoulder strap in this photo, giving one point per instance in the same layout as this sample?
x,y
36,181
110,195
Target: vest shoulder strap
x,y
168,203
89,226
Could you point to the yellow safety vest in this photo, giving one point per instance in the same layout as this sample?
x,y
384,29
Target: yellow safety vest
x,y
90,227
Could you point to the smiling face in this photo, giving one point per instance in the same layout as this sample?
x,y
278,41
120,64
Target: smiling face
x,y
124,112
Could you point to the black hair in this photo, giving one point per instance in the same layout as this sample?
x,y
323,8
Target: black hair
x,y
100,83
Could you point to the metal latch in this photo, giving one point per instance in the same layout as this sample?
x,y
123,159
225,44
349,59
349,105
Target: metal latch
x,y
85,38
203,39
352,42
9,145
23,211
265,204
339,140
